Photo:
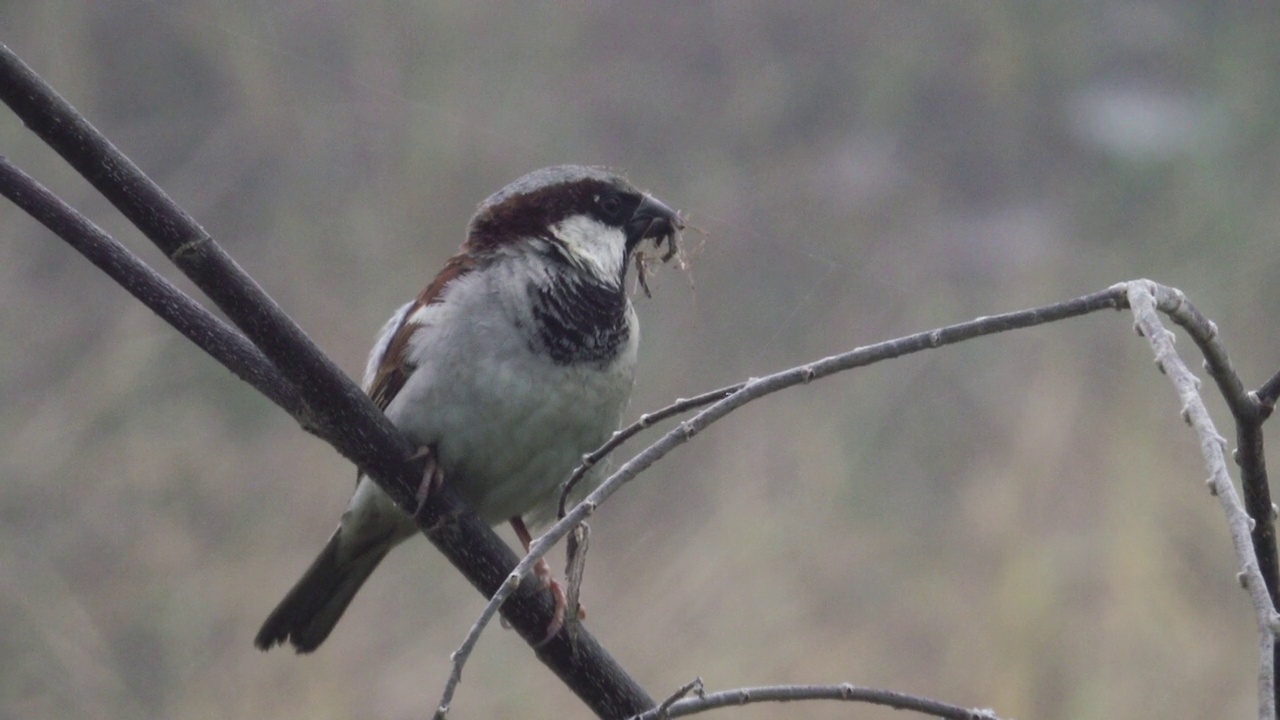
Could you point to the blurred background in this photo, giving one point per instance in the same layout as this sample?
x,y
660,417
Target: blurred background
x,y
1018,522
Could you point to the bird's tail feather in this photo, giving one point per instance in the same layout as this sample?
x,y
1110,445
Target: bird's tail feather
x,y
306,616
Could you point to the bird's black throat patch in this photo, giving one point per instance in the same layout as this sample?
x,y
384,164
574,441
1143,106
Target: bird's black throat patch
x,y
579,321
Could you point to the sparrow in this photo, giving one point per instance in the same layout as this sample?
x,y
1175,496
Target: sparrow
x,y
515,361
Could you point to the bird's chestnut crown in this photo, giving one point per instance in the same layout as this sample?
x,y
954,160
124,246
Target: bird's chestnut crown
x,y
533,205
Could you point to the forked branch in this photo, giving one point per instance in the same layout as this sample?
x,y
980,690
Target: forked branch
x,y
1135,294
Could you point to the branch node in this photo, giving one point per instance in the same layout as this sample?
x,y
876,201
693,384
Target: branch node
x,y
187,247
512,581
1213,486
688,430
695,686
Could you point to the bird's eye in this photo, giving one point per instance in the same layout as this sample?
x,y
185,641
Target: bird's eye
x,y
610,205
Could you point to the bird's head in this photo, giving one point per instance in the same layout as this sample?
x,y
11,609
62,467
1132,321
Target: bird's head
x,y
588,217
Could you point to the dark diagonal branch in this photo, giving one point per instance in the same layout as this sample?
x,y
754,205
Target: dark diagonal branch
x,y
329,404
330,399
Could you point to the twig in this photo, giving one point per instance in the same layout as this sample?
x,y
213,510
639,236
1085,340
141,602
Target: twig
x,y
693,686
754,389
645,422
1250,411
574,572
574,552
792,693
343,414
1144,298
1268,393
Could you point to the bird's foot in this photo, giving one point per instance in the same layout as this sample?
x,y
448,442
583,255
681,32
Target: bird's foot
x,y
432,477
542,570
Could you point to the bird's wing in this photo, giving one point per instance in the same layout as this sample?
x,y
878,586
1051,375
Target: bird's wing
x,y
389,367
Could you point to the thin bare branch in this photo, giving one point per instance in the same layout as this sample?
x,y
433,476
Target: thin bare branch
x,y
645,422
575,571
1145,297
662,712
793,693
754,389
1249,411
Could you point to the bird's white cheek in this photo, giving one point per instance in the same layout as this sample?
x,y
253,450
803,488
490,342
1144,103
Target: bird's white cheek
x,y
597,246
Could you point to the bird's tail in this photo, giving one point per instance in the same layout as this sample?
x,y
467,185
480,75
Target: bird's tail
x,y
306,616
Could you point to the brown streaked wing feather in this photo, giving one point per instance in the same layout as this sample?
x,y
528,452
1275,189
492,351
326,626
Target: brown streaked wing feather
x,y
394,369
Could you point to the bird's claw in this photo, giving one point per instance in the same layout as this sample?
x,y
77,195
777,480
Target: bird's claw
x,y
543,572
432,477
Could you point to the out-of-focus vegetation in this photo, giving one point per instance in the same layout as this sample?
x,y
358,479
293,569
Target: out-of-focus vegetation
x,y
1018,522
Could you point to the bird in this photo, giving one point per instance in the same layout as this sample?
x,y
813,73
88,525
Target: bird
x,y
516,360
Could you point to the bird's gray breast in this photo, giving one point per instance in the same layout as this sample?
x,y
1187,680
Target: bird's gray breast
x,y
515,381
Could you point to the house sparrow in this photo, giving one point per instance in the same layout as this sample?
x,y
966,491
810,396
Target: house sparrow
x,y
514,361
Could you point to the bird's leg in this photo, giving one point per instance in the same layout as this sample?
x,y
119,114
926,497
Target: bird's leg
x,y
432,476
543,571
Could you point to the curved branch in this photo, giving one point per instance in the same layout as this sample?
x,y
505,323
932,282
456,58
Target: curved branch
x,y
754,389
1145,297
1250,411
645,422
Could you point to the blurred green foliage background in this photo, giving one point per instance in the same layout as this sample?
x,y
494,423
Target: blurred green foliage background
x,y
1018,522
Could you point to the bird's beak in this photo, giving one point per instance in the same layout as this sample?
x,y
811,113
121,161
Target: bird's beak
x,y
655,221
